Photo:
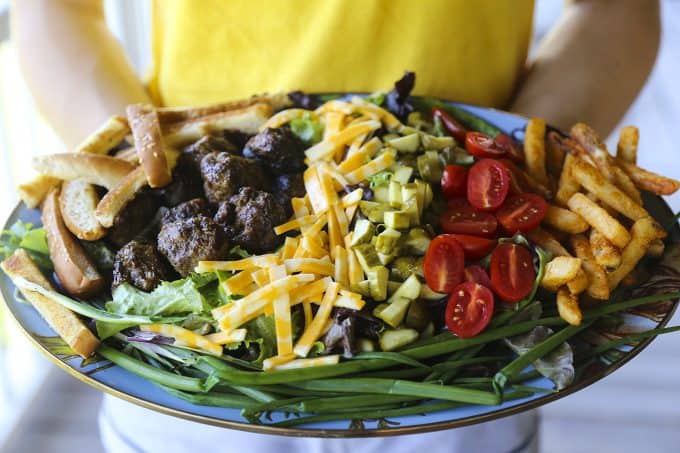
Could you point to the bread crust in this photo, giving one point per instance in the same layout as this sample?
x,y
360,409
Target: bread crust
x,y
146,131
78,201
101,170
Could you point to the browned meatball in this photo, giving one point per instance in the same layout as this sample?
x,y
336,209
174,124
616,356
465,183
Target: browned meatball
x,y
186,242
187,210
186,184
279,149
134,218
140,264
223,174
249,219
194,153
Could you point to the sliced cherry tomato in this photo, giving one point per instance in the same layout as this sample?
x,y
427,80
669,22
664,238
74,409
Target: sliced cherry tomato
x,y
469,309
443,264
488,184
512,149
477,274
482,146
451,124
461,218
512,272
454,181
474,246
522,213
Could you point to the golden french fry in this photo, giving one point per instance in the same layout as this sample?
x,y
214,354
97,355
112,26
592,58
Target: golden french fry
x,y
606,254
534,150
565,220
598,287
599,219
247,120
579,283
555,152
593,181
568,308
626,184
547,242
651,182
643,232
96,169
626,149
596,149
559,271
107,137
567,185
656,248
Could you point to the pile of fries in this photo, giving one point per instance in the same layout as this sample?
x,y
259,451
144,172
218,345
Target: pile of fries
x,y
596,227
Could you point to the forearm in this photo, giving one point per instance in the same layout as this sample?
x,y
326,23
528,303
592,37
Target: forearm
x,y
592,65
74,67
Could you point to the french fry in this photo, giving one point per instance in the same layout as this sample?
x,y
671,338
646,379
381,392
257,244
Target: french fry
x,y
33,192
646,180
593,145
555,153
247,120
96,169
534,150
547,242
606,254
626,149
579,283
626,184
598,287
64,322
568,308
593,181
567,185
643,232
108,136
559,271
564,220
656,248
599,219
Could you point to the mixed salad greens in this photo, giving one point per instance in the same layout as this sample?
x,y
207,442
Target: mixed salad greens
x,y
445,319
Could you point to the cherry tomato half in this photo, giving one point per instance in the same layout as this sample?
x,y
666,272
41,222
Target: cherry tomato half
x,y
451,125
454,181
474,247
488,184
482,146
522,212
461,218
511,148
443,264
512,272
477,274
469,309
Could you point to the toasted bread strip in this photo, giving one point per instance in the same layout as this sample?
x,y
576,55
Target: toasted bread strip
x,y
33,192
116,198
247,120
78,201
168,115
593,181
649,181
128,155
96,169
76,272
64,322
108,136
149,144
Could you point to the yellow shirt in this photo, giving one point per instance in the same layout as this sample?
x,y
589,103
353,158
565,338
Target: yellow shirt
x,y
216,50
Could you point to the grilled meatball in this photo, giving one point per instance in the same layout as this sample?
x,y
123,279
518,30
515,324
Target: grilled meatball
x,y
236,137
187,210
186,242
279,149
223,174
194,153
135,218
186,183
140,264
250,217
287,187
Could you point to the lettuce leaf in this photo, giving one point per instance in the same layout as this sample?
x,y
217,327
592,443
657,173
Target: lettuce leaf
x,y
307,129
33,240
